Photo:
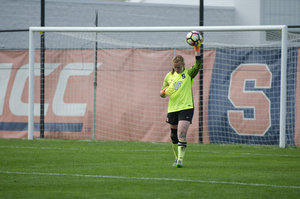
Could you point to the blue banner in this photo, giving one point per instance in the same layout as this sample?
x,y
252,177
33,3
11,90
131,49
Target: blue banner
x,y
244,96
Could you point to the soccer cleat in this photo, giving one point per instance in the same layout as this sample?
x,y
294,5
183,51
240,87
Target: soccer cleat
x,y
179,164
175,163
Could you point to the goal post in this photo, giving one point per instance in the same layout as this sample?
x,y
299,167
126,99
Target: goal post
x,y
258,37
283,87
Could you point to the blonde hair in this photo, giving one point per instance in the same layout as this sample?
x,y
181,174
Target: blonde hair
x,y
177,59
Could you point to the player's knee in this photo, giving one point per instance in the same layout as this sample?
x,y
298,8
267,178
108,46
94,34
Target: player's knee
x,y
182,134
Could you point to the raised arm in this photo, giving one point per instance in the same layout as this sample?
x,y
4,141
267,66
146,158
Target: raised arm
x,y
198,64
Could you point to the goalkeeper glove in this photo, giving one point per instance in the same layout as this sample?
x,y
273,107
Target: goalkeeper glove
x,y
197,48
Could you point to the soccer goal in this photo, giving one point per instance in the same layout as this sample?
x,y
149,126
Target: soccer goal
x,y
103,83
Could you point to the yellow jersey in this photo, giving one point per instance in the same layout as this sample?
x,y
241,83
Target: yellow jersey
x,y
181,86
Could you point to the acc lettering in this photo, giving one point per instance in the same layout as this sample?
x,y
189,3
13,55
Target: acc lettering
x,y
60,108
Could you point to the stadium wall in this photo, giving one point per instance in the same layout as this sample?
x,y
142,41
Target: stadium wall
x,y
60,124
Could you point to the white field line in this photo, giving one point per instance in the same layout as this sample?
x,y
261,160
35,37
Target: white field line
x,y
158,179
190,151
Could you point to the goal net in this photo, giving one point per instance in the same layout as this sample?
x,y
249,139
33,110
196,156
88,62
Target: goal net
x,y
104,83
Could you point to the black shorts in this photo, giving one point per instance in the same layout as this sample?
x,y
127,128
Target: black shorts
x,y
175,117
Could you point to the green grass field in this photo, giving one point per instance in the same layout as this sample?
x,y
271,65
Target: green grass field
x,y
115,169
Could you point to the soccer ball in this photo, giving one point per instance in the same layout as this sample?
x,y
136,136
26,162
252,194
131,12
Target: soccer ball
x,y
193,38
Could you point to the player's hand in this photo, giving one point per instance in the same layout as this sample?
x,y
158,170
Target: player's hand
x,y
162,93
197,48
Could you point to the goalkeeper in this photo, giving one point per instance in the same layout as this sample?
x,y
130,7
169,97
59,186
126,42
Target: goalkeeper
x,y
178,85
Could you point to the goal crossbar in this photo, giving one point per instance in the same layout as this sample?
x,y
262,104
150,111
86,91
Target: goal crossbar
x,y
159,29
